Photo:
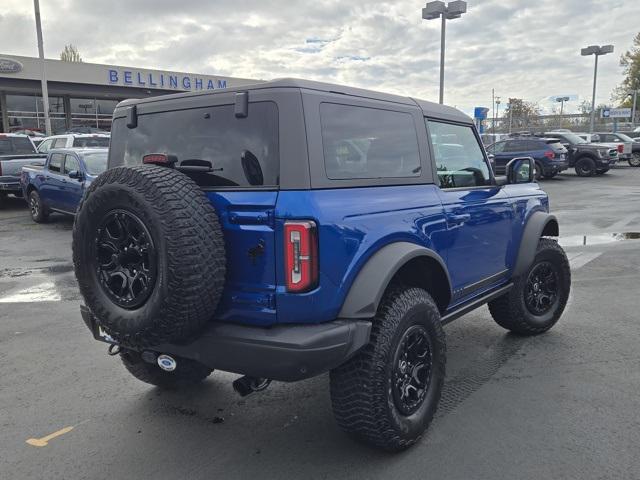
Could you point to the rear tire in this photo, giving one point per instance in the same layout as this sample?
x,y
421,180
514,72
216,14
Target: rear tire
x,y
38,209
585,167
538,298
187,372
538,172
388,393
634,161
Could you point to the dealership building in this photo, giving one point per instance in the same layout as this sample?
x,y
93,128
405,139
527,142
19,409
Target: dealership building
x,y
85,94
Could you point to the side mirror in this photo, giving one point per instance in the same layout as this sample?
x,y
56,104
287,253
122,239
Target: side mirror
x,y
521,170
75,174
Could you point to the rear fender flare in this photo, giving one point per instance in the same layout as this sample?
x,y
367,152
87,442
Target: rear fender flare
x,y
367,289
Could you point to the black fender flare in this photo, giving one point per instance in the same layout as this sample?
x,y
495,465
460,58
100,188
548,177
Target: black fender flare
x,y
540,224
371,282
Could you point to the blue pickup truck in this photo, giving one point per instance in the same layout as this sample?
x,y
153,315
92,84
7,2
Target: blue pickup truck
x,y
59,185
291,228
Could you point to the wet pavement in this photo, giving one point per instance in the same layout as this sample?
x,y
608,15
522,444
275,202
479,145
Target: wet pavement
x,y
560,405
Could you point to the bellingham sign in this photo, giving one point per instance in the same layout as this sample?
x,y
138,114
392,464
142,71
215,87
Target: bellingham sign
x,y
140,79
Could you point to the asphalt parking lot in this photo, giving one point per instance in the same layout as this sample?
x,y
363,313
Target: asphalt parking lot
x,y
562,405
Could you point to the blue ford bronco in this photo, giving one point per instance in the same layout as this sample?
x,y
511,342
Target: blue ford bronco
x,y
290,228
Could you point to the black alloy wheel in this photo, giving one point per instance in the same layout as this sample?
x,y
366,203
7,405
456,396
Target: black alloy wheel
x,y
412,370
126,261
541,291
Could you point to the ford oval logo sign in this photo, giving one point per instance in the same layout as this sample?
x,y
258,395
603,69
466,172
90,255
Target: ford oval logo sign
x,y
9,66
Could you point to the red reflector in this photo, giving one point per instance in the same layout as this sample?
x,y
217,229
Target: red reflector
x,y
549,154
300,256
156,158
620,148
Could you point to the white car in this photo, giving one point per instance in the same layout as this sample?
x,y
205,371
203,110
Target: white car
x,y
75,140
612,140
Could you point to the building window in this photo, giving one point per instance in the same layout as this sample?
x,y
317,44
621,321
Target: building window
x,y
27,112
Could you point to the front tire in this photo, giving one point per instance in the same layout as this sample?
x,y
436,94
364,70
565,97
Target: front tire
x,y
634,161
388,393
37,208
585,167
186,374
538,298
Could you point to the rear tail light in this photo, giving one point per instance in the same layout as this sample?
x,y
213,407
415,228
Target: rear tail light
x,y
620,148
549,154
300,256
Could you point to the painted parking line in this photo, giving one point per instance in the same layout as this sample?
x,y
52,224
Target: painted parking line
x,y
580,259
44,441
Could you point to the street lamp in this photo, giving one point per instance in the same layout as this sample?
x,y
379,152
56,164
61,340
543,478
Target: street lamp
x,y
561,100
597,51
634,95
449,11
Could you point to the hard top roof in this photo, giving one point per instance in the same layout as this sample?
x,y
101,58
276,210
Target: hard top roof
x,y
429,108
79,151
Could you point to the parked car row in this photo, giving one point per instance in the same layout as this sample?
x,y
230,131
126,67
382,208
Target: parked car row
x,y
18,150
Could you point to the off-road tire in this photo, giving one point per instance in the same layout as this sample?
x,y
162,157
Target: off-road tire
x,y
187,372
585,167
37,208
189,253
634,161
538,172
361,388
510,311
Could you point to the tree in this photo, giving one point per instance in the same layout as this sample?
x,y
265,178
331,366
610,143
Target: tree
x,y
630,62
70,54
521,112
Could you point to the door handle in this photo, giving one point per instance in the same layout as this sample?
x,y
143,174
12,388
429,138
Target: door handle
x,y
459,219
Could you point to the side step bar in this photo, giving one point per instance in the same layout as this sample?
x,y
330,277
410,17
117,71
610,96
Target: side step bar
x,y
452,315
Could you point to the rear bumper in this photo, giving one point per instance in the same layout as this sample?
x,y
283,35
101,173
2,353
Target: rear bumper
x,y
10,184
285,353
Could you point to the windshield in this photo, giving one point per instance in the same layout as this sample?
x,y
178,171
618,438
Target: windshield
x,y
624,138
84,142
16,146
96,163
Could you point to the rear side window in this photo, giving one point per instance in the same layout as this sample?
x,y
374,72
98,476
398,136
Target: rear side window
x,y
55,164
362,142
459,158
85,142
239,152
60,142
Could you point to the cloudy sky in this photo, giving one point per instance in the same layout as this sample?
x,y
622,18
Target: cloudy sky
x,y
523,48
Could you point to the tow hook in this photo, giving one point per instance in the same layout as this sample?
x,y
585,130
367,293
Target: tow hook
x,y
113,349
247,385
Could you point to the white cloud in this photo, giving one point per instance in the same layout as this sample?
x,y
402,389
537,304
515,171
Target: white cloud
x,y
521,48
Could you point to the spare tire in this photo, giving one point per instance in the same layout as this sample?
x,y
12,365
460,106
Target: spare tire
x,y
149,255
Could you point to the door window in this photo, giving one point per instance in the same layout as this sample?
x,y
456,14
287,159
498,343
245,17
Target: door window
x,y
55,164
497,147
60,142
458,156
71,164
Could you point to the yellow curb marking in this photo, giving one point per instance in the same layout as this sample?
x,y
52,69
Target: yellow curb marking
x,y
44,441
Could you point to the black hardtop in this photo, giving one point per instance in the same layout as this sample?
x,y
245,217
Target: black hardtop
x,y
430,109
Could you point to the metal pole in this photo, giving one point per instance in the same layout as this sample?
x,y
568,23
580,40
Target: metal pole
x,y
510,116
561,108
442,35
45,90
593,98
493,110
633,109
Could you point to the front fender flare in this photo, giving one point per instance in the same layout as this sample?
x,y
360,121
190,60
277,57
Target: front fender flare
x,y
367,289
539,224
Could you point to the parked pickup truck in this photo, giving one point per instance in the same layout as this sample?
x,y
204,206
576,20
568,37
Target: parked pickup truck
x,y
59,185
243,230
588,159
623,147
16,150
75,140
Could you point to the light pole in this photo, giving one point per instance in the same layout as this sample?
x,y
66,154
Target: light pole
x,y
450,11
633,94
43,78
497,111
597,51
561,100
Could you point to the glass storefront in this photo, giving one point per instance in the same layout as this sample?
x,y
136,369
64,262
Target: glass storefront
x,y
27,112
